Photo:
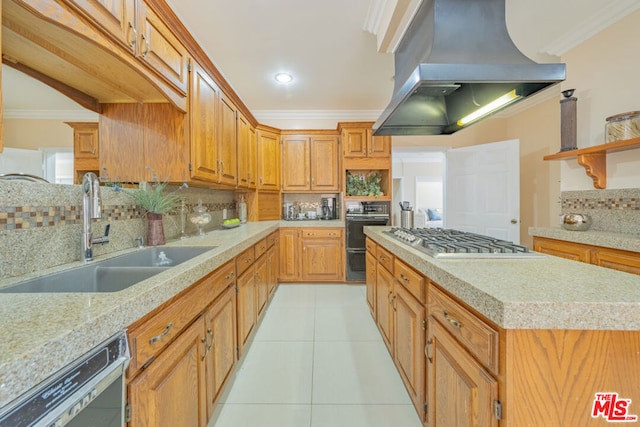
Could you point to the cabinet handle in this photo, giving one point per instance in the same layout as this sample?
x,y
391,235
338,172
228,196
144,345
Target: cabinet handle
x,y
426,350
132,40
162,335
146,46
206,350
229,276
210,333
404,278
248,260
456,323
382,258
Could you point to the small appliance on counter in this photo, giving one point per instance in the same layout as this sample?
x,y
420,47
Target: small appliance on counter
x,y
575,221
329,208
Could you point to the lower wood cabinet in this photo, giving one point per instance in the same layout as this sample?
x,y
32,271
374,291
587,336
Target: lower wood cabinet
x,y
604,257
171,391
461,392
311,254
246,306
371,265
384,303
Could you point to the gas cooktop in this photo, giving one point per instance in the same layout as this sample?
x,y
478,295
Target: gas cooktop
x,y
447,243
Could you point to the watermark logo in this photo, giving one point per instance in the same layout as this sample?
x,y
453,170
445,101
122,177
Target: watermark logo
x,y
612,408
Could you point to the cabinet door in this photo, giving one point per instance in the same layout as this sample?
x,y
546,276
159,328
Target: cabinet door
x,y
252,159
568,250
160,50
115,17
384,305
288,255
203,113
461,392
379,146
262,284
354,142
295,160
122,152
409,336
244,150
220,323
171,390
324,164
228,140
268,161
273,261
322,255
371,282
246,304
85,140
165,144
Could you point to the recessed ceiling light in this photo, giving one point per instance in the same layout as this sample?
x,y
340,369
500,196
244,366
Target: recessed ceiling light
x,y
284,78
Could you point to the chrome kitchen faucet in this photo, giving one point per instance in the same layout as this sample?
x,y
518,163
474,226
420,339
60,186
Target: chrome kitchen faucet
x,y
91,205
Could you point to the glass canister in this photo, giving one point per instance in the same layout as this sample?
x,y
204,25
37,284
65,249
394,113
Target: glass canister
x,y
622,127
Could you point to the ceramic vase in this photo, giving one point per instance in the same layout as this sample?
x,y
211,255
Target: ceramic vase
x,y
155,229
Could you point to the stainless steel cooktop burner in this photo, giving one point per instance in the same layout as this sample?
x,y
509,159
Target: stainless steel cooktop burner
x,y
447,243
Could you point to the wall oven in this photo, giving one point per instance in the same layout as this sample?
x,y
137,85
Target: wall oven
x,y
358,215
88,392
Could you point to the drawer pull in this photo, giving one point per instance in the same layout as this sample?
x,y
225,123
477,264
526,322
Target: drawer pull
x,y
404,278
229,276
248,260
162,335
426,350
210,333
382,258
456,323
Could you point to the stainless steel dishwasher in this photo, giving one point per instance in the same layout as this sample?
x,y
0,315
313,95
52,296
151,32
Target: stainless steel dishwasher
x,y
88,392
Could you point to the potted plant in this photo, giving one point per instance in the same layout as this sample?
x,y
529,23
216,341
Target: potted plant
x,y
153,198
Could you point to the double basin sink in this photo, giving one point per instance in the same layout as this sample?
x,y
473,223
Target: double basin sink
x,y
113,274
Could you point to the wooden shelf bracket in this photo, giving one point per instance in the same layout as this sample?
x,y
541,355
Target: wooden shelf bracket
x,y
595,166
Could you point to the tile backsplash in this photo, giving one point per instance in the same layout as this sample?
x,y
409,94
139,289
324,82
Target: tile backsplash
x,y
616,211
41,224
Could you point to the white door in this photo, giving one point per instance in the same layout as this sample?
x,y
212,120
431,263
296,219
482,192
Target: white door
x,y
482,190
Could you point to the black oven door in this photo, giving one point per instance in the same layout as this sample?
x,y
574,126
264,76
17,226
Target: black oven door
x,y
355,229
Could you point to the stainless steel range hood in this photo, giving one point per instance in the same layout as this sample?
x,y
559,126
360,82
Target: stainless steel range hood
x,y
455,58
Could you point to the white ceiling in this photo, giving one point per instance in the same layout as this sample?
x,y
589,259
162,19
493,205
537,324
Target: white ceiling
x,y
334,61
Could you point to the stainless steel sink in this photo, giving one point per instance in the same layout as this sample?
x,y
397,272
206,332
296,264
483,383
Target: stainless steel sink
x,y
110,275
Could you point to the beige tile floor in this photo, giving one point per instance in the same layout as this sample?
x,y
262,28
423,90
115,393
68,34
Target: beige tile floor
x,y
317,360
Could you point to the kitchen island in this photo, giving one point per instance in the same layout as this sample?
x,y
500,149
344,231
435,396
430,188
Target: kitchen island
x,y
527,341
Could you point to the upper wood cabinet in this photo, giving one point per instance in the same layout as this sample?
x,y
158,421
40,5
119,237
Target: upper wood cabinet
x,y
143,142
228,149
204,97
117,18
310,163
246,153
268,141
85,149
358,141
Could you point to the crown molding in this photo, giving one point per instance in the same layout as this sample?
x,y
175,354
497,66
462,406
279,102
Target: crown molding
x,y
611,12
340,115
71,115
374,15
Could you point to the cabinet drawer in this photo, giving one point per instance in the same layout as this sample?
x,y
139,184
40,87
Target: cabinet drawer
x,y
475,335
371,246
155,333
260,248
222,278
412,281
322,232
385,258
244,260
271,239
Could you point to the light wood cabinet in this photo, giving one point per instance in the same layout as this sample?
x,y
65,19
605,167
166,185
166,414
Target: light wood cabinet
x,y
228,150
170,391
359,142
371,266
116,18
268,142
262,284
246,153
461,392
310,163
204,97
312,254
273,261
384,305
322,254
85,149
143,142
220,325
604,257
160,49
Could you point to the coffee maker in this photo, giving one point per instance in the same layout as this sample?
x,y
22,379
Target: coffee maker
x,y
329,208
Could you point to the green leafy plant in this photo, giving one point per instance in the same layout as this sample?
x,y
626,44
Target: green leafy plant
x,y
361,185
152,197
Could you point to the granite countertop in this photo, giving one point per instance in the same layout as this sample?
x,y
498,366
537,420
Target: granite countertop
x,y
41,333
627,242
312,223
531,293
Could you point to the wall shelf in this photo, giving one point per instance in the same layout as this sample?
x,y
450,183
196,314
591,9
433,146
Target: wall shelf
x,y
594,159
